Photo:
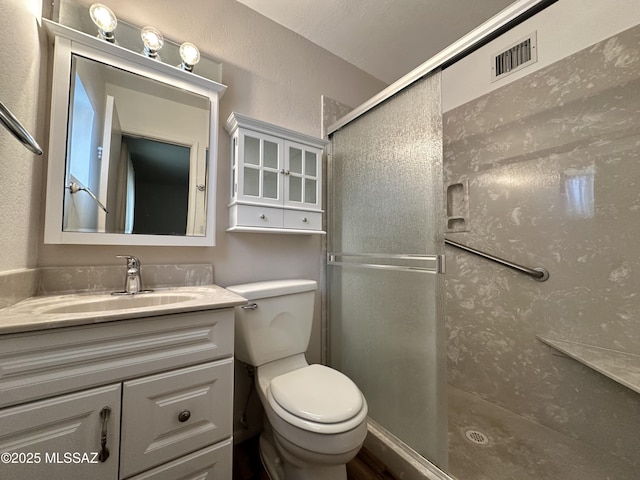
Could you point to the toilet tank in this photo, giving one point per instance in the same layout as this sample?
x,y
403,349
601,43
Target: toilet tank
x,y
277,321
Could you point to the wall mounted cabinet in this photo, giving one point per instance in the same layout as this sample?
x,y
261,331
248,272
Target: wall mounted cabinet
x,y
276,178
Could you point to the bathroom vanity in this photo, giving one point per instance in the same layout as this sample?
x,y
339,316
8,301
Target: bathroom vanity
x,y
100,390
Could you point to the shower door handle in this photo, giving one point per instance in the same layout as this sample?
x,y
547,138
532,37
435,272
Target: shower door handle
x,y
399,262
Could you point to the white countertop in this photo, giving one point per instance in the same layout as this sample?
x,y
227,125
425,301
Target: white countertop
x,y
55,311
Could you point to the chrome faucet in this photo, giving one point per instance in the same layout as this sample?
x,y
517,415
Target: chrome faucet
x,y
132,282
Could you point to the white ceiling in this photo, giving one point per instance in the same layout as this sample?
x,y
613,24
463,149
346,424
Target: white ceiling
x,y
386,38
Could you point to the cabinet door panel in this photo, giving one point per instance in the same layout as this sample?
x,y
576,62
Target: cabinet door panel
x,y
61,437
304,176
174,413
260,162
211,463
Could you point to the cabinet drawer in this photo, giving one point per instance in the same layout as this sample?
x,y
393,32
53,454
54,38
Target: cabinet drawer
x,y
168,415
252,216
301,220
61,435
51,362
211,463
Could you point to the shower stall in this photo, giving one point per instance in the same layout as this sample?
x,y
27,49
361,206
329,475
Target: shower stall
x,y
476,371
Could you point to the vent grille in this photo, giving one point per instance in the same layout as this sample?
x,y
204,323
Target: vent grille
x,y
514,58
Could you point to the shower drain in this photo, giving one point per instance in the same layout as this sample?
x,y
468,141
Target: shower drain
x,y
476,436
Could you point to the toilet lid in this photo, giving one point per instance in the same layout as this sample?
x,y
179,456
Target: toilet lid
x,y
317,393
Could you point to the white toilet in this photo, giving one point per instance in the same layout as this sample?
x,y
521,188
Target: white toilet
x,y
315,416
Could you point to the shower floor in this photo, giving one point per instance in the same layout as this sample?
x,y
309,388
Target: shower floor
x,y
520,449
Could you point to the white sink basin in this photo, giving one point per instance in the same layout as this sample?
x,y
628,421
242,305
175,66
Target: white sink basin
x,y
98,305
44,312
124,302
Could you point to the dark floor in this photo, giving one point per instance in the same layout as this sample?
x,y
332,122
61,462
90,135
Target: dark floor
x,y
246,461
247,465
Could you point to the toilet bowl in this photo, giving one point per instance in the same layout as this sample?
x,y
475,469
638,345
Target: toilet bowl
x,y
315,417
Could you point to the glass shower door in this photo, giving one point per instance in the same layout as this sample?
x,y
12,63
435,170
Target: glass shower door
x,y
385,256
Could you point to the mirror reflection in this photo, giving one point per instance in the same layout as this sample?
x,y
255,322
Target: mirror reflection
x,y
137,152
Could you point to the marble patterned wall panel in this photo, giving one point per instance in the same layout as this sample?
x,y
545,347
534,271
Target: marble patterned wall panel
x,y
17,285
60,280
553,165
332,111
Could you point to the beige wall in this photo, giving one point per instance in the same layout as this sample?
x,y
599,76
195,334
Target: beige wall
x,y
271,74
21,90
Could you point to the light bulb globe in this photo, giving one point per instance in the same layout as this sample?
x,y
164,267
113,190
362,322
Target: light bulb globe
x,y
105,20
153,41
190,56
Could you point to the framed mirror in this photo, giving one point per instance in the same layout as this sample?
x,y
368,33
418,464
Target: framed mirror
x,y
132,151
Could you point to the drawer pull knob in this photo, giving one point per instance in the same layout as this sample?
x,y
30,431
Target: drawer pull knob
x,y
262,216
104,451
184,415
305,220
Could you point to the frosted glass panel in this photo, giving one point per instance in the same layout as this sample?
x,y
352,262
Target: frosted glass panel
x,y
295,160
387,327
270,185
295,189
251,182
252,150
385,337
270,154
234,153
309,191
392,162
310,164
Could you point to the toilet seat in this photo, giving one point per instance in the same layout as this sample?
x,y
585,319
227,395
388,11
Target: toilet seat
x,y
318,399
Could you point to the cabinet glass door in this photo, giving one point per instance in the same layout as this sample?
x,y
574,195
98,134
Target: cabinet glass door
x,y
259,178
303,175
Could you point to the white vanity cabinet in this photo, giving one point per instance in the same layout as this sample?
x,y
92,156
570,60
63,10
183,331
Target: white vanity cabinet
x,y
276,178
156,392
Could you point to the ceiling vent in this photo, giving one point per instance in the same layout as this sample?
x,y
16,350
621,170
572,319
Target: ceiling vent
x,y
514,58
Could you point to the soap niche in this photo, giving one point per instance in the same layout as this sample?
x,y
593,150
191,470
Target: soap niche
x,y
457,200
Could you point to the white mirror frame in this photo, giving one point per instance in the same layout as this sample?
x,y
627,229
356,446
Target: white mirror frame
x,y
67,42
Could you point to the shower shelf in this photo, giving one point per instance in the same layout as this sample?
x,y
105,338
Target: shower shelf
x,y
621,367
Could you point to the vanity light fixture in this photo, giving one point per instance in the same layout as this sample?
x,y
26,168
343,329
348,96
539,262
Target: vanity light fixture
x,y
105,20
153,41
190,56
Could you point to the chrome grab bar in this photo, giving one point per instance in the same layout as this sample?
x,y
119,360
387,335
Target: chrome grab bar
x,y
539,274
397,262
